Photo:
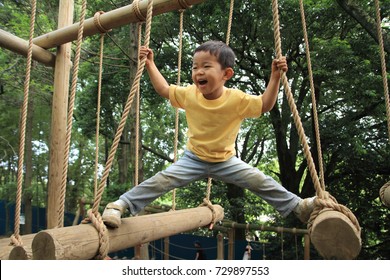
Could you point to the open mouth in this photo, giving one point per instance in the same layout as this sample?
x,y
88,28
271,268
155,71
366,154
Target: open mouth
x,y
202,82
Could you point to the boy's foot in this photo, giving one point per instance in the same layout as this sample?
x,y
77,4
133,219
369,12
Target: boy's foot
x,y
112,215
304,209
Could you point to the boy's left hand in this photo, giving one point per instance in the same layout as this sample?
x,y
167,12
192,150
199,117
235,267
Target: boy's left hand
x,y
280,64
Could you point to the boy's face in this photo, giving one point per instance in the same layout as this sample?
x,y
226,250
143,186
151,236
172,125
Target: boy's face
x,y
208,75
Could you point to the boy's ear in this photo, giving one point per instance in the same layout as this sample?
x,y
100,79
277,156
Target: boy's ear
x,y
229,72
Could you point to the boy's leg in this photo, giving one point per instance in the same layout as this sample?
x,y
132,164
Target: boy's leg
x,y
237,172
185,170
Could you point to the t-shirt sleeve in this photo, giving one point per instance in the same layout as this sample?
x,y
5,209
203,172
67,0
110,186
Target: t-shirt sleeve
x,y
251,106
177,96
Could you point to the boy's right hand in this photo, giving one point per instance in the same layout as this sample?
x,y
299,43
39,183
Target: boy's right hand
x,y
146,52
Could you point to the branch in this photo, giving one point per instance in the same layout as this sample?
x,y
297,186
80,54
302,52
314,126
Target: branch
x,y
367,22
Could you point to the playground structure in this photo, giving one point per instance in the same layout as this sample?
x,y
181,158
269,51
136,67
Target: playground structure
x,y
55,243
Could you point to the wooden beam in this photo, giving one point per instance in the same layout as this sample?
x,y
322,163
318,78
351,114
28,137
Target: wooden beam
x,y
12,252
82,242
20,46
109,20
230,224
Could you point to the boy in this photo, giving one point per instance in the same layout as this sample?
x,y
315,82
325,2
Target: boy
x,y
214,114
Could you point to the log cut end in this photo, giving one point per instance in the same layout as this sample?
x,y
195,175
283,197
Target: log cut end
x,y
335,237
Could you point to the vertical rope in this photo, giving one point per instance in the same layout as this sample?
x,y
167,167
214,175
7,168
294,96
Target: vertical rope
x,y
15,238
137,118
98,112
70,114
175,152
125,113
383,64
294,110
230,22
313,97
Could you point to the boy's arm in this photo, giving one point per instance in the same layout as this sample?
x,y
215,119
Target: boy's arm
x,y
159,83
271,93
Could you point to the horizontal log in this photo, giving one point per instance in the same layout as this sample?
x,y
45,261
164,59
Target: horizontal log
x,y
12,252
108,20
334,236
20,46
230,224
81,242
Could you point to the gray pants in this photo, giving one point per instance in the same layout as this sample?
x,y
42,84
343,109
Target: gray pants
x,y
190,168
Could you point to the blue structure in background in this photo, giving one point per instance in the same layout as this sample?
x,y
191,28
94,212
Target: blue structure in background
x,y
181,245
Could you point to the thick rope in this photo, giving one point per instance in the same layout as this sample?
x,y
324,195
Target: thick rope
x,y
385,86
230,22
15,238
313,97
98,24
383,64
176,141
208,203
104,241
97,132
323,199
137,117
382,194
137,11
125,113
61,209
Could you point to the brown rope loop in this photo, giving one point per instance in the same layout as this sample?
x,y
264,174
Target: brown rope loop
x,y
208,203
98,24
97,222
329,203
183,4
382,194
16,240
137,11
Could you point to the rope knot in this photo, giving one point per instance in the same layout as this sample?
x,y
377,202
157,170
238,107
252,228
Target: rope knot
x,y
183,4
98,24
97,222
208,203
137,11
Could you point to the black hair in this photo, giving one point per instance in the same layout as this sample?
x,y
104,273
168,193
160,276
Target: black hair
x,y
225,55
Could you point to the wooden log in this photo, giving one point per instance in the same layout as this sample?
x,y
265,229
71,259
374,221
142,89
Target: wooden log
x,y
12,252
384,194
20,46
108,20
81,242
334,236
230,224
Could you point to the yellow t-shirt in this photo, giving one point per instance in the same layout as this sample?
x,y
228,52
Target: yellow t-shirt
x,y
213,125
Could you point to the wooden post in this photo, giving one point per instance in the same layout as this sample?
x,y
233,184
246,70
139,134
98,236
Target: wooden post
x,y
231,244
220,247
82,242
20,46
109,20
166,248
306,248
59,117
